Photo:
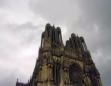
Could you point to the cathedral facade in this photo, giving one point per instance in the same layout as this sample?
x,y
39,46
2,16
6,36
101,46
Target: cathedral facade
x,y
63,65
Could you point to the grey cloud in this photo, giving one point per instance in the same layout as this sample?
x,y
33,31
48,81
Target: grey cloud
x,y
19,47
54,10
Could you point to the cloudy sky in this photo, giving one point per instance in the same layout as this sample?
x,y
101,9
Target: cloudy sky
x,y
22,22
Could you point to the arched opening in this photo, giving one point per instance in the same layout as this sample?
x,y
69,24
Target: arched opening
x,y
75,74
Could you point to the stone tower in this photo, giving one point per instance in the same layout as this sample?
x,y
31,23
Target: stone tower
x,y
63,65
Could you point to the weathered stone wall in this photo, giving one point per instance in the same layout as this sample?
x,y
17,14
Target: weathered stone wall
x,y
64,65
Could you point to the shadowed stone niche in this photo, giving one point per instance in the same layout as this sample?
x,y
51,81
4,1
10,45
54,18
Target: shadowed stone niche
x,y
75,74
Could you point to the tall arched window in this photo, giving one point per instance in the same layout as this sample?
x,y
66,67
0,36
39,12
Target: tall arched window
x,y
75,74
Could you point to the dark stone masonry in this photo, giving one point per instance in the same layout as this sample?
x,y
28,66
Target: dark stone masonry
x,y
63,65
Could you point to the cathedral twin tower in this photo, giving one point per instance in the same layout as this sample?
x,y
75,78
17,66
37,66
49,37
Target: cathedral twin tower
x,y
63,65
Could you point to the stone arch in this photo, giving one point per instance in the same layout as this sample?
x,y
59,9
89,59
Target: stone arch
x,y
75,74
